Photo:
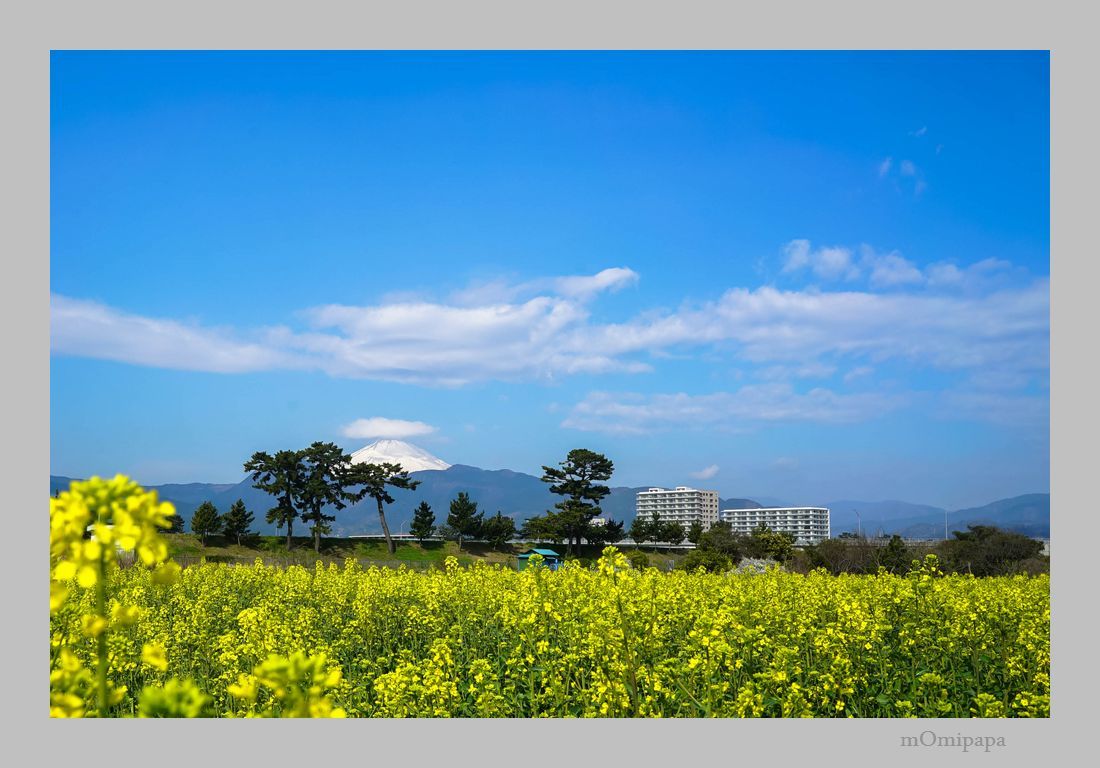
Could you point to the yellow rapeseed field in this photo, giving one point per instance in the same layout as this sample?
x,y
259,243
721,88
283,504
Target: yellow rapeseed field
x,y
611,641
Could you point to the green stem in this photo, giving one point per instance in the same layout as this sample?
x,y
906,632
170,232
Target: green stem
x,y
101,668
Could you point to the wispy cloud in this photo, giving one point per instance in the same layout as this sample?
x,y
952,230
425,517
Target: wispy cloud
x,y
919,132
91,329
810,370
943,317
581,288
908,173
890,269
828,263
1022,411
977,276
380,427
633,413
706,473
858,372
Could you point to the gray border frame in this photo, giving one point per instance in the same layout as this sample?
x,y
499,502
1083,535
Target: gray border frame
x,y
1059,27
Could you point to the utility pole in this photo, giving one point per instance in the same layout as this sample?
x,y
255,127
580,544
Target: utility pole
x,y
859,525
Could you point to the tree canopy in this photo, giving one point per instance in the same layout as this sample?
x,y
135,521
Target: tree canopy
x,y
498,530
281,476
374,480
423,522
238,521
577,480
323,483
464,517
206,521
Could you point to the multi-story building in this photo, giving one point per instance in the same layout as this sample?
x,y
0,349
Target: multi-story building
x,y
680,504
808,525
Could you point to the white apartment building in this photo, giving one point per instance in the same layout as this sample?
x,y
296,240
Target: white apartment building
x,y
808,525
680,504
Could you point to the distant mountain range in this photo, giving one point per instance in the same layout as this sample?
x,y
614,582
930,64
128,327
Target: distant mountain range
x,y
521,496
1028,514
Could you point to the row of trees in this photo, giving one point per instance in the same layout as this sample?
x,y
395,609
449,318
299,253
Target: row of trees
x,y
720,548
982,550
656,530
306,482
463,522
234,524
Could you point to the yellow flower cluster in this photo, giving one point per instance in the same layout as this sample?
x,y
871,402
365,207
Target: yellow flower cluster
x,y
95,519
89,524
610,641
299,686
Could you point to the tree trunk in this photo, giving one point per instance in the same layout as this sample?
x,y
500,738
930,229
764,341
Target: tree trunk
x,y
386,529
317,542
289,521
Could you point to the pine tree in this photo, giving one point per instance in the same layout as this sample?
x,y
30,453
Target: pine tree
x,y
574,479
374,478
206,521
323,485
464,517
639,530
423,522
498,530
672,532
282,476
237,521
601,535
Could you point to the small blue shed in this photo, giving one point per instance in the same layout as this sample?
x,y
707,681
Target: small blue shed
x,y
550,558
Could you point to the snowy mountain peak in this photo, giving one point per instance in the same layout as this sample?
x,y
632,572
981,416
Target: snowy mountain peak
x,y
410,457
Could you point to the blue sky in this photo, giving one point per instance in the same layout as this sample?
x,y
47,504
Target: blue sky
x,y
810,276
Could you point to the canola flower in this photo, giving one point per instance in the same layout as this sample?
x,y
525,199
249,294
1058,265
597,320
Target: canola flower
x,y
610,641
90,524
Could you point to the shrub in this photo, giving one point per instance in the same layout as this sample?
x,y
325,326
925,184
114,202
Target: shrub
x,y
708,559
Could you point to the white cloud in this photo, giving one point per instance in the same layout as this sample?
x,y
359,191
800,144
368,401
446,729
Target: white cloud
x,y
381,427
632,413
1008,328
91,329
797,253
952,323
891,269
828,263
585,286
811,370
920,131
706,473
884,166
907,168
443,345
580,288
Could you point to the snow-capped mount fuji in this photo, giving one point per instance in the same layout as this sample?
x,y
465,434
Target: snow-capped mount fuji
x,y
411,458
